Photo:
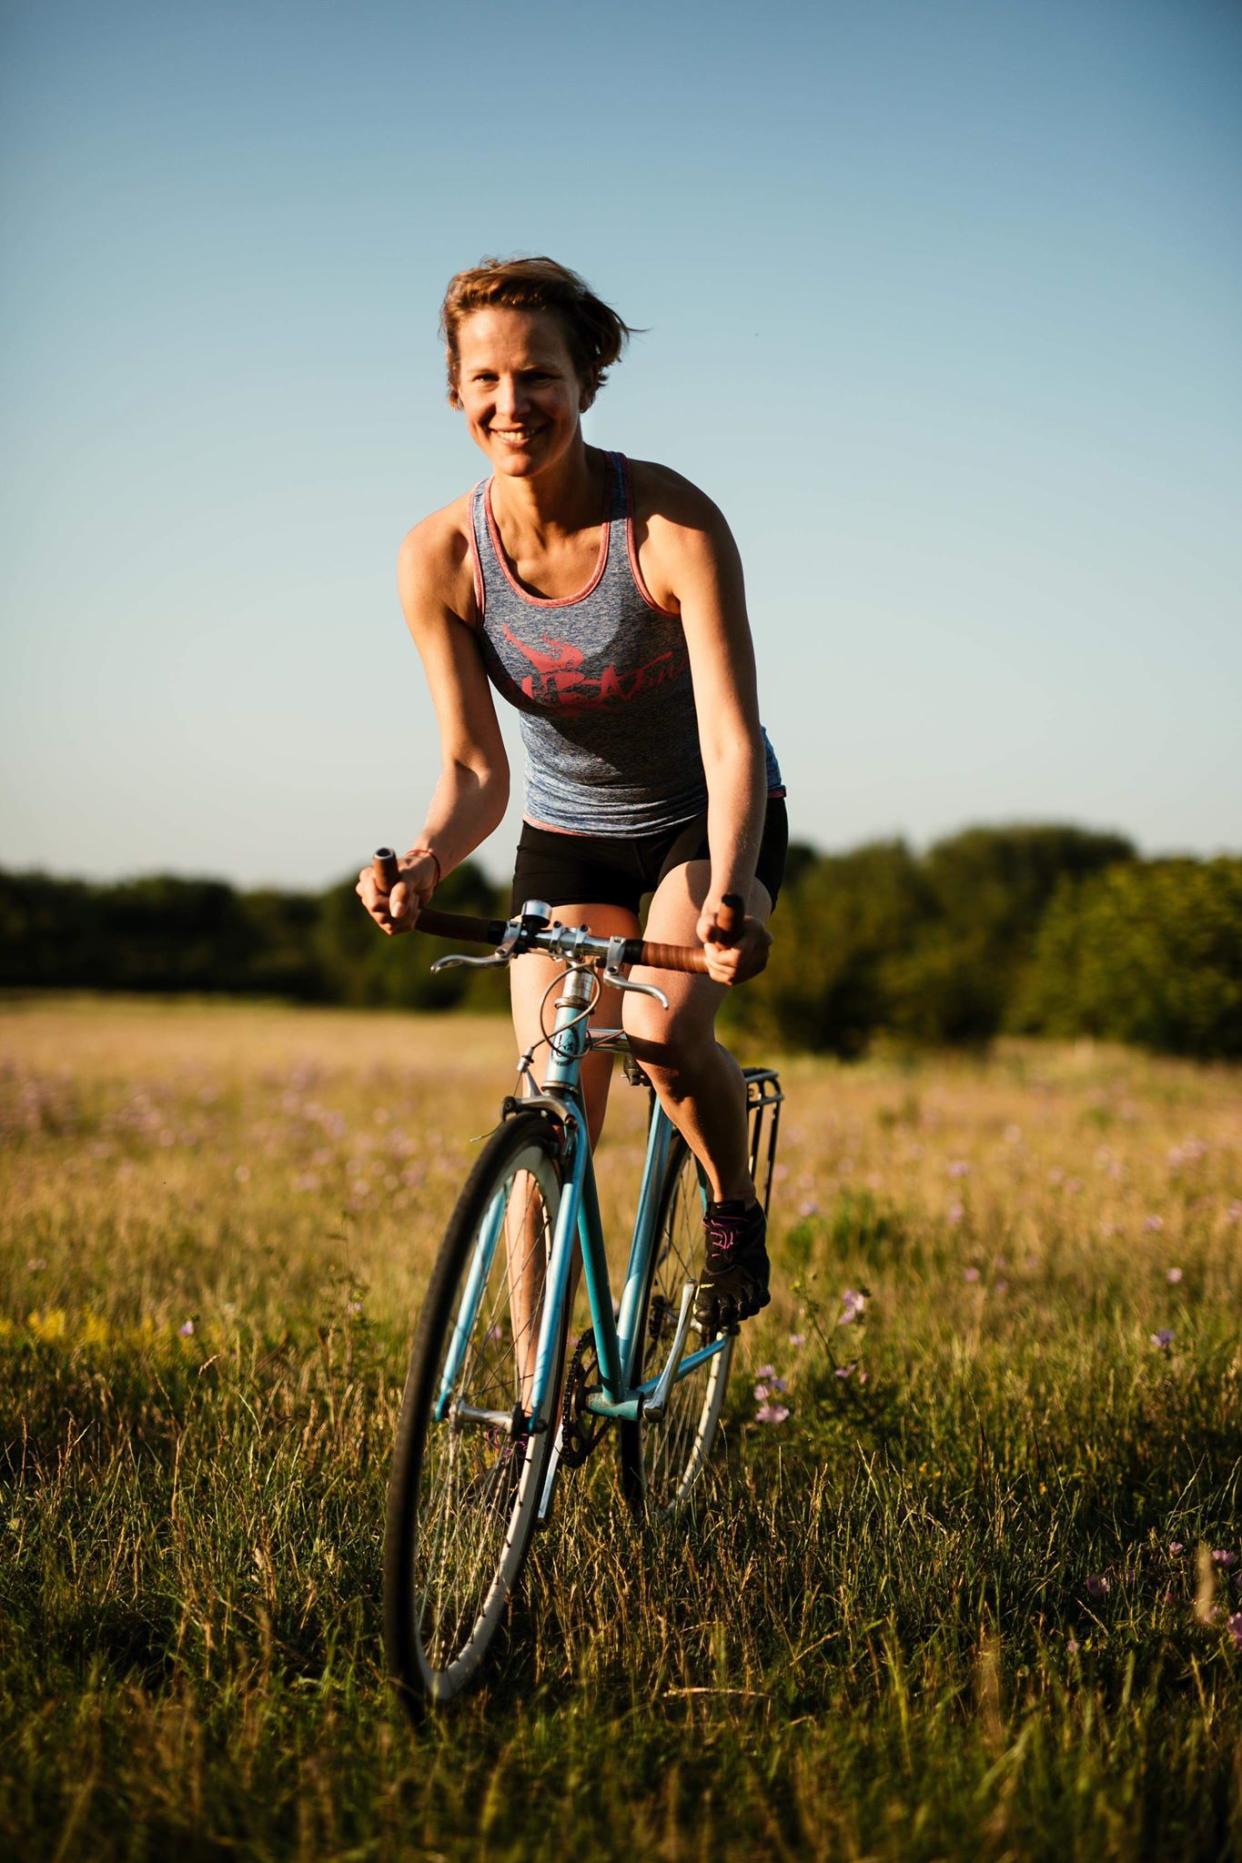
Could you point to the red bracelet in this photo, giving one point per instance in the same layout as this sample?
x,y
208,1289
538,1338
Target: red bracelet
x,y
431,855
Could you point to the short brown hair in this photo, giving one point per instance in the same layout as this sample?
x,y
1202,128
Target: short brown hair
x,y
594,334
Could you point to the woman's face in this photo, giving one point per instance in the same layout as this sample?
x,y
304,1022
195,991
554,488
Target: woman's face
x,y
518,388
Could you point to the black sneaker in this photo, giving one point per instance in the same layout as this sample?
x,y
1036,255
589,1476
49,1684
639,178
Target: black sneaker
x,y
734,1282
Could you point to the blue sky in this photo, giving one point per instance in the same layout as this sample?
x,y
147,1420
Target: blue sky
x,y
943,306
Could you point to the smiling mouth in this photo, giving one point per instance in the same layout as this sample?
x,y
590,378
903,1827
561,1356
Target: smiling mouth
x,y
514,436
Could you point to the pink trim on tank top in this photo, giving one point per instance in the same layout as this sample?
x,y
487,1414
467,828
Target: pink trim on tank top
x,y
543,601
632,547
480,587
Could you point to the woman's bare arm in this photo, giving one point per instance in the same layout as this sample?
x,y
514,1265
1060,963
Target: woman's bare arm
x,y
697,568
472,793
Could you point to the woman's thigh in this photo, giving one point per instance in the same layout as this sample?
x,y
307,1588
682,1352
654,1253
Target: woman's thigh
x,y
530,981
693,1001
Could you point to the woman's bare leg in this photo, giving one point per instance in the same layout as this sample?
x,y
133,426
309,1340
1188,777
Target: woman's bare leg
x,y
699,1084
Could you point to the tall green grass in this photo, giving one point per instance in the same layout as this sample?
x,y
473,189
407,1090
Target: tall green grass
x,y
934,1612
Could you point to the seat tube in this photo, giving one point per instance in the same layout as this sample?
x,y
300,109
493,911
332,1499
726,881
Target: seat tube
x,y
568,1044
659,1138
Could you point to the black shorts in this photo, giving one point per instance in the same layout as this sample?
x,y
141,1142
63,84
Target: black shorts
x,y
616,870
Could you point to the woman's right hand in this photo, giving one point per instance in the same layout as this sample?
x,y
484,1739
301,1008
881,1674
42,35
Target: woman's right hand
x,y
397,911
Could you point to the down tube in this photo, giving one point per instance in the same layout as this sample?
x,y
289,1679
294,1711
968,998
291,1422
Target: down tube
x,y
556,1291
480,1268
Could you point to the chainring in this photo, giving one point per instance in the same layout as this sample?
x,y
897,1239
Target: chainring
x,y
581,1429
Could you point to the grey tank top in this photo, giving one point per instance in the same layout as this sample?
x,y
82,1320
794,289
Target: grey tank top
x,y
602,683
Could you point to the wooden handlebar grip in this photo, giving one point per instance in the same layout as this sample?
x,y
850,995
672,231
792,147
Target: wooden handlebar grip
x,y
684,957
731,917
384,868
439,924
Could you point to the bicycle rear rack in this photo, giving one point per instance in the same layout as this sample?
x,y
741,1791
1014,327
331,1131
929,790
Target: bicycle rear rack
x,y
764,1099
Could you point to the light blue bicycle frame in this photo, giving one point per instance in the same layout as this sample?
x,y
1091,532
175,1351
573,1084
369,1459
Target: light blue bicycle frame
x,y
578,1224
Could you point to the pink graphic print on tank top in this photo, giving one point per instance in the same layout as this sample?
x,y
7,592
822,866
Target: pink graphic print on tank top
x,y
559,681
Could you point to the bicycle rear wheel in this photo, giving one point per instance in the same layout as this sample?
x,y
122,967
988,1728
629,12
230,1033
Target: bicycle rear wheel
x,y
464,1488
661,1462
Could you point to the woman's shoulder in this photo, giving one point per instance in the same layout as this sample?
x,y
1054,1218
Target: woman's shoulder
x,y
435,558
442,537
679,532
665,500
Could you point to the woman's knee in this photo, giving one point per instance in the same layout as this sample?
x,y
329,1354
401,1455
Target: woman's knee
x,y
666,1044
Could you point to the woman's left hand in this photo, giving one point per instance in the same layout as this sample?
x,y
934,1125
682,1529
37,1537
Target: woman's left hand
x,y
743,957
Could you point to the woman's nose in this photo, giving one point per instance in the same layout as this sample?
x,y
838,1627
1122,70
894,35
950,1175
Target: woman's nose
x,y
510,396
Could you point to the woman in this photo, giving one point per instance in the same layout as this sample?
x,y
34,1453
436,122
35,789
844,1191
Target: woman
x,y
604,599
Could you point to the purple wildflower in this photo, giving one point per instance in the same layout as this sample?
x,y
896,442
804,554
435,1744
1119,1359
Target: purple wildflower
x,y
970,1274
1097,1585
186,1329
1234,1626
1176,1547
959,1168
955,1213
766,1371
1173,1276
1153,1224
797,1339
1225,1558
1163,1339
771,1413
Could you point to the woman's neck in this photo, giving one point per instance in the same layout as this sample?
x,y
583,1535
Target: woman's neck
x,y
566,498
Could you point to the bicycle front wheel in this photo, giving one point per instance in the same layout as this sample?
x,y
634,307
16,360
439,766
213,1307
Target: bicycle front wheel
x,y
661,1462
466,1479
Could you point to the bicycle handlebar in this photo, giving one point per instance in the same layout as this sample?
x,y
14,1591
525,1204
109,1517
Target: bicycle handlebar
x,y
681,957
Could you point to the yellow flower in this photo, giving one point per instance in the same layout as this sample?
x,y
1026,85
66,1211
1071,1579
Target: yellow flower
x,y
48,1326
95,1330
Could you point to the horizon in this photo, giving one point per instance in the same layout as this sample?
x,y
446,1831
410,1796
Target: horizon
x,y
499,874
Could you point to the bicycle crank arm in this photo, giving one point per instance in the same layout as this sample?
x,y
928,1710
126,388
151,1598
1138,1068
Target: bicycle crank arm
x,y
654,1408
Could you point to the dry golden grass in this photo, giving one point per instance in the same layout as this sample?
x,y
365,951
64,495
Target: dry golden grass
x,y
933,1612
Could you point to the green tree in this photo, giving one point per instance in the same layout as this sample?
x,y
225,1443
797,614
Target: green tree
x,y
844,919
1149,953
987,891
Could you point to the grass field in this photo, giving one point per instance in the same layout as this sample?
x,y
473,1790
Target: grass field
x,y
977,1594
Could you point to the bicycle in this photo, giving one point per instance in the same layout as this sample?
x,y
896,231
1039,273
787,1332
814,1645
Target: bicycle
x,y
491,1411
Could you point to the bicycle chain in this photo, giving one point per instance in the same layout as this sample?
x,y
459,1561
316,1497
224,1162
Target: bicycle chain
x,y
581,1429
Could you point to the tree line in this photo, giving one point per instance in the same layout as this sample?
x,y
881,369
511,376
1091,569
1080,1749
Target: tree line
x,y
1046,929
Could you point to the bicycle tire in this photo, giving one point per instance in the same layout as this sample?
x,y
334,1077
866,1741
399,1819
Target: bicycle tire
x,y
661,1462
461,1504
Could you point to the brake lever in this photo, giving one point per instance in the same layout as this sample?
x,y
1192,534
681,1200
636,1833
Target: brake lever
x,y
456,962
613,977
500,957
